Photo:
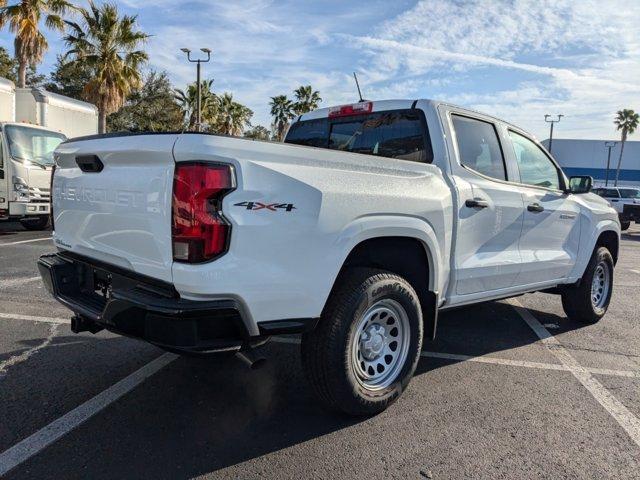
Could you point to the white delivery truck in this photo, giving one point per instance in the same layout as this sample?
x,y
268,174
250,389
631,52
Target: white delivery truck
x,y
32,124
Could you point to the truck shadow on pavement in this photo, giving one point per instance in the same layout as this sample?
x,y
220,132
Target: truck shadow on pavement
x,y
12,229
634,236
202,415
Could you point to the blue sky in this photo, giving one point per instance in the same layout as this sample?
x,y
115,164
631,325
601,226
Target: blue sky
x,y
514,59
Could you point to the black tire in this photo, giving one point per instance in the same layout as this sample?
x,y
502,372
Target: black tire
x,y
39,223
327,350
625,225
577,300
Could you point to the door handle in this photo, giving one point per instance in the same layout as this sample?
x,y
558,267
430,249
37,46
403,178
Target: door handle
x,y
535,207
476,203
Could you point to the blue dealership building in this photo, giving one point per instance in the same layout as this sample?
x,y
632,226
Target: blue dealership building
x,y
589,157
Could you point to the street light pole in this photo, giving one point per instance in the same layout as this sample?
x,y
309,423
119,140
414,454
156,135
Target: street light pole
x,y
198,61
552,122
609,145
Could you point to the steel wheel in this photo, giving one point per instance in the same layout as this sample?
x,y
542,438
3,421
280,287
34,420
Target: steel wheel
x,y
380,344
600,285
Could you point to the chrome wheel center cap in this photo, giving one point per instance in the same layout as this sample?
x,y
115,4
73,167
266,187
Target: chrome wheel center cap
x,y
372,342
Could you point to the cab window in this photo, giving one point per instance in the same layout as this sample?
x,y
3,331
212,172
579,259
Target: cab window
x,y
629,193
479,147
536,168
400,134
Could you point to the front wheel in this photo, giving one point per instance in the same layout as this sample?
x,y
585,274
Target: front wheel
x,y
363,352
38,223
589,301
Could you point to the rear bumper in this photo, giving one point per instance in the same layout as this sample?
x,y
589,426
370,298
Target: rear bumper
x,y
630,213
104,296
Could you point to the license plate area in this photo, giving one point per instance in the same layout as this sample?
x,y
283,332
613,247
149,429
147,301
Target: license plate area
x,y
102,283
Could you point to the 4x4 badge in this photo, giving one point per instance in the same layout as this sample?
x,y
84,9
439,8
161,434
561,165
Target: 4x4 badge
x,y
272,207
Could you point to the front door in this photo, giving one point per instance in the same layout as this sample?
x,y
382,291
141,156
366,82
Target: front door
x,y
551,230
490,210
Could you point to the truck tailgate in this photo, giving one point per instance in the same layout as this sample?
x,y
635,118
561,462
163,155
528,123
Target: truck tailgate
x,y
120,214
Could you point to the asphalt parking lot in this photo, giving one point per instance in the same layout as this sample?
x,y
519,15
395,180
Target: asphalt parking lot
x,y
510,389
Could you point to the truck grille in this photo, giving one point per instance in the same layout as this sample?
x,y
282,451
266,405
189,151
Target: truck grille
x,y
39,194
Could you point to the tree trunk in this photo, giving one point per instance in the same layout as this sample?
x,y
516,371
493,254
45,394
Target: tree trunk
x,y
281,127
22,74
624,139
102,121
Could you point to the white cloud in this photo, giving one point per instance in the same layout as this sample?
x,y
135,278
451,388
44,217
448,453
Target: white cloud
x,y
526,58
517,59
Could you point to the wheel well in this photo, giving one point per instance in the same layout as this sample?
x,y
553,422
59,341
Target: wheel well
x,y
609,240
404,256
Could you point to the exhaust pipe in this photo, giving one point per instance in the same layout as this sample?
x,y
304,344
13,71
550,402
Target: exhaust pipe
x,y
251,360
81,324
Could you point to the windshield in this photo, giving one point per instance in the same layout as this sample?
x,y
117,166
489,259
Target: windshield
x,y
32,144
629,193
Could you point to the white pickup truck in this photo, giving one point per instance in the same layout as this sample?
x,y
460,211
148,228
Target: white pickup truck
x,y
369,219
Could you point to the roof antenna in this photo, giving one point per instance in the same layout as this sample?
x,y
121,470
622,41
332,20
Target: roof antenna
x,y
358,86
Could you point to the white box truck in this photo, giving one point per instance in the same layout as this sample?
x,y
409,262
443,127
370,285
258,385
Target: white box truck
x,y
71,117
33,122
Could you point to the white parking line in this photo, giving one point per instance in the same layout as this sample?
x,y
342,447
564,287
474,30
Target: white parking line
x,y
527,364
31,318
13,282
28,353
500,361
44,437
25,241
634,271
621,414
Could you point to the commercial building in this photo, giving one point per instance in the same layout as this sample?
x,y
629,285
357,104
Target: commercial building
x,y
589,157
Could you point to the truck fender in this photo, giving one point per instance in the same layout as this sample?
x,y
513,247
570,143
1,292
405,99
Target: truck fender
x,y
380,226
588,244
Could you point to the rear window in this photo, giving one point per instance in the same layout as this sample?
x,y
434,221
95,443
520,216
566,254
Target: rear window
x,y
398,134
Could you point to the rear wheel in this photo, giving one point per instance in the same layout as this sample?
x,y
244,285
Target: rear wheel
x,y
589,301
363,353
625,225
38,223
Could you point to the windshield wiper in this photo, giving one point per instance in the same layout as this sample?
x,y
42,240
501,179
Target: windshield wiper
x,y
32,160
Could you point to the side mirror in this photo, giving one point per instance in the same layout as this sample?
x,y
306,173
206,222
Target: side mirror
x,y
580,184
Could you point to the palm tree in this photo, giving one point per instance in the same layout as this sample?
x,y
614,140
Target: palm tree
x,y
24,20
109,45
626,121
233,117
187,101
258,132
307,99
282,112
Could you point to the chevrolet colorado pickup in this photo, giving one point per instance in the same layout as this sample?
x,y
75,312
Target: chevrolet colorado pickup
x,y
354,232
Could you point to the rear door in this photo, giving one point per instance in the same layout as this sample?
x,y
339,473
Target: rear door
x,y
489,210
112,201
551,231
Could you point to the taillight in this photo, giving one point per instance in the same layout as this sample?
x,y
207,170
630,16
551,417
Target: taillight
x,y
199,230
53,170
361,108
